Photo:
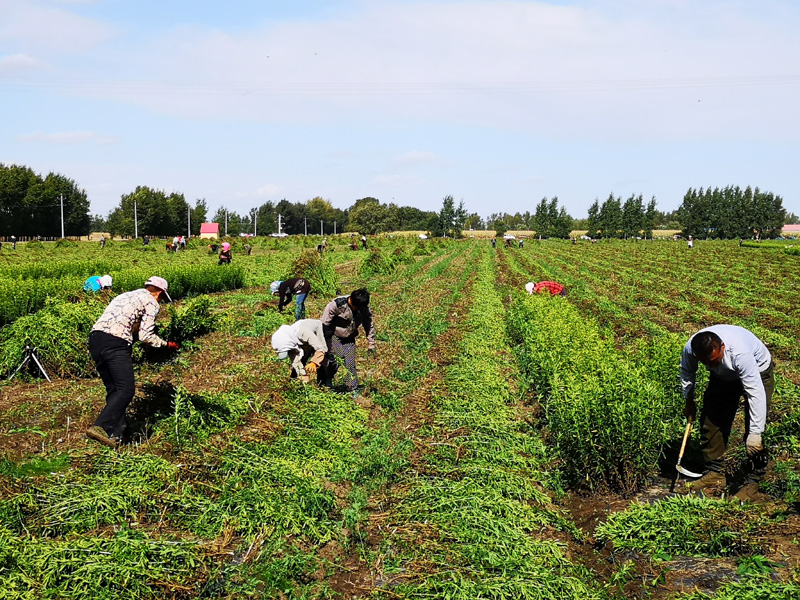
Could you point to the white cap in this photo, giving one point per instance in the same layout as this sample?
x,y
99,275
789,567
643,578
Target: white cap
x,y
529,287
273,287
106,281
160,283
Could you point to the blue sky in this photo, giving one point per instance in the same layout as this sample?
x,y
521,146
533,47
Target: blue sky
x,y
497,103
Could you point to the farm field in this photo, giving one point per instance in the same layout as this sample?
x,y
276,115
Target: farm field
x,y
501,446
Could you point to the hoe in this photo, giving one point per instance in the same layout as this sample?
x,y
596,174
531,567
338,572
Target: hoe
x,y
683,470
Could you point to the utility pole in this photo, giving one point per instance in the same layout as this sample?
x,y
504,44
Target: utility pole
x,y
305,225
255,225
62,216
320,226
279,223
334,228
189,221
135,220
226,222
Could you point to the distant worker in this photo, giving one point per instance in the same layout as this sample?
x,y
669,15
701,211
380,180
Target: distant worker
x,y
739,364
691,242
96,283
225,255
176,242
297,287
303,343
494,242
128,317
13,242
554,288
364,242
341,319
102,241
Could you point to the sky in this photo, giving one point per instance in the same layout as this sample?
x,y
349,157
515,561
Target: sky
x,y
496,103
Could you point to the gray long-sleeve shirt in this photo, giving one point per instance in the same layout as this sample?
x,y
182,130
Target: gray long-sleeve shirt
x,y
339,318
745,358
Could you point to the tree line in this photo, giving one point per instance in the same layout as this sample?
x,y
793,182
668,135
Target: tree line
x,y
732,213
31,205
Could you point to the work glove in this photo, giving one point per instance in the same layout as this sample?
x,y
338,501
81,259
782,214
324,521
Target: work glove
x,y
690,409
753,444
372,352
174,346
311,368
317,359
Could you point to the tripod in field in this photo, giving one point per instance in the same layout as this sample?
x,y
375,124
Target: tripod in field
x,y
27,355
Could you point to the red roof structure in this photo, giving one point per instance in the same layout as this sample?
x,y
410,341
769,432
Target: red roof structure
x,y
791,228
209,230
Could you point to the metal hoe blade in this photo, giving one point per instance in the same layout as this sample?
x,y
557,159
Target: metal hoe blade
x,y
687,472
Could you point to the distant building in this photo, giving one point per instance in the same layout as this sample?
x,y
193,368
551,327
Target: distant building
x,y
791,229
209,231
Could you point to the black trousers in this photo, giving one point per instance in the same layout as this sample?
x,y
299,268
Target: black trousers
x,y
113,357
720,403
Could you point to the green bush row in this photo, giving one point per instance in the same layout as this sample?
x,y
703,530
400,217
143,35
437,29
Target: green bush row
x,y
20,297
608,417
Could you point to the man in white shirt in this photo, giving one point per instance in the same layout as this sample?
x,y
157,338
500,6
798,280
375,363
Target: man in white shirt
x,y
739,364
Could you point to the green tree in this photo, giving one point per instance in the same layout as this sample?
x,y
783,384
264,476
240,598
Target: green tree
x,y
610,217
632,216
593,220
451,219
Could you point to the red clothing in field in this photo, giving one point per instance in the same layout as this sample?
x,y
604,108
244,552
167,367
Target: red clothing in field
x,y
551,286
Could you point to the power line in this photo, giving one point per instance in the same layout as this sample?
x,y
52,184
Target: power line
x,y
372,88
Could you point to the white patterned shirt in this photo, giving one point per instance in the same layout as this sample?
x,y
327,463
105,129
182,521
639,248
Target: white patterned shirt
x,y
130,315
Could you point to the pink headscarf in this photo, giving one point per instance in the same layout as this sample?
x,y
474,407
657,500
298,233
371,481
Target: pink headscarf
x,y
226,246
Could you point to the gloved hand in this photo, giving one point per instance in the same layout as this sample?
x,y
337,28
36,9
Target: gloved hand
x,y
174,346
311,368
318,357
690,409
753,444
372,352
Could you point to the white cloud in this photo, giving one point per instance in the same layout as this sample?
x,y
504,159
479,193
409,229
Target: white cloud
x,y
19,63
608,69
268,190
67,137
38,29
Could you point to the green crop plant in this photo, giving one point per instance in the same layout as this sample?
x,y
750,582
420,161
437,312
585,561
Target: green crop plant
x,y
318,269
479,505
127,564
59,332
753,587
607,418
128,488
376,263
189,321
684,525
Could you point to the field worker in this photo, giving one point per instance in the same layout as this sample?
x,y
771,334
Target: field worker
x,y
225,255
554,288
303,342
691,242
341,319
739,364
297,287
96,283
128,317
